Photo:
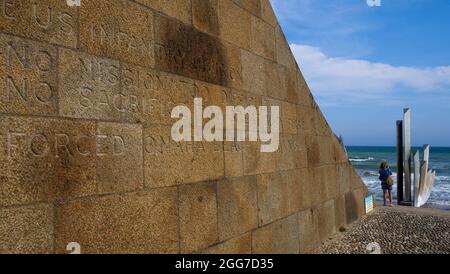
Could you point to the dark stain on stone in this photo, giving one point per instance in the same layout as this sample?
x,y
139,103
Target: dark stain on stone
x,y
205,16
181,49
351,208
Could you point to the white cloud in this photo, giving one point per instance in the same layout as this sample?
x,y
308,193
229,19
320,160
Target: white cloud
x,y
351,80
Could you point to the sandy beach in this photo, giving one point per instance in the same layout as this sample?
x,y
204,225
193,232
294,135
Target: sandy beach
x,y
398,230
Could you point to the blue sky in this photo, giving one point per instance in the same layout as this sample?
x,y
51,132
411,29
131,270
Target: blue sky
x,y
365,64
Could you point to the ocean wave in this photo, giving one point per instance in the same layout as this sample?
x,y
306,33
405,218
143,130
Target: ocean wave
x,y
370,173
361,159
443,178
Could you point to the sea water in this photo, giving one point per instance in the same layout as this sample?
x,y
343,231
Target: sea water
x,y
366,160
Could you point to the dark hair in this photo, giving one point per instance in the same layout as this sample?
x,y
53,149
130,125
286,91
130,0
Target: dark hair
x,y
384,165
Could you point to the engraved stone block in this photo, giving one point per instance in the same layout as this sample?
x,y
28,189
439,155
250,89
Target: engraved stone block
x,y
139,222
46,159
45,20
183,50
28,76
119,157
180,9
90,88
257,162
168,163
124,31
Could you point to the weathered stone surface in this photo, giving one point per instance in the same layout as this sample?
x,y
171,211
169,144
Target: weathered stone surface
x,y
112,175
339,154
321,125
28,72
284,54
354,204
263,38
292,152
326,219
288,118
180,9
306,187
90,88
305,120
308,231
115,34
46,20
355,180
138,222
168,163
162,93
281,237
205,16
325,184
339,214
234,24
234,158
257,162
343,176
253,6
43,159
253,73
267,13
238,245
198,216
320,150
183,50
279,195
119,157
237,206
304,96
26,229
276,80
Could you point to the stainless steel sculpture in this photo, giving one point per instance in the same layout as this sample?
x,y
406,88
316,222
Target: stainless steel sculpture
x,y
426,182
407,159
423,176
423,186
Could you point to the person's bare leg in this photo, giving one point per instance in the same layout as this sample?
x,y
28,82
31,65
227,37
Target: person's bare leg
x,y
390,199
384,197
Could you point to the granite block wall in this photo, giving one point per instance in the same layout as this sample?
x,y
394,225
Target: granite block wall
x,y
86,154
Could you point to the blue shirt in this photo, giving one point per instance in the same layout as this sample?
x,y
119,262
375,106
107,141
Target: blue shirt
x,y
384,174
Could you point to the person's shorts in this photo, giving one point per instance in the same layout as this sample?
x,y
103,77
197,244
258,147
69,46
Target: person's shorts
x,y
385,186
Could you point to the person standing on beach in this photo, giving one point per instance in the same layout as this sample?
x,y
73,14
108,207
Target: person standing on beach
x,y
386,182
